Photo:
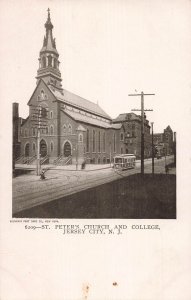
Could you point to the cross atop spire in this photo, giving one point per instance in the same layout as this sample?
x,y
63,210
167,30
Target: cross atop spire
x,y
48,10
48,24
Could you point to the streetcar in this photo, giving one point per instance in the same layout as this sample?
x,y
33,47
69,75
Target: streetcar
x,y
124,161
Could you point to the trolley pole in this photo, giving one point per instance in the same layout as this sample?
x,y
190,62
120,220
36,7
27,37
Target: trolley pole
x,y
152,150
142,125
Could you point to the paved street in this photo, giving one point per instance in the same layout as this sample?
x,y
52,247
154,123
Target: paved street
x,y
29,190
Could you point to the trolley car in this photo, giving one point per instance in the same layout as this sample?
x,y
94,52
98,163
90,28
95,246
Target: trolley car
x,y
124,161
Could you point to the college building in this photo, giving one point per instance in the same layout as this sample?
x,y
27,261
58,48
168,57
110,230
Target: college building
x,y
132,126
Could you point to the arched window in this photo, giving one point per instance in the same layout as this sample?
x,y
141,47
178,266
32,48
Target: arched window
x,y
104,142
51,130
26,132
42,94
88,140
99,142
69,128
55,63
80,138
51,146
121,136
44,62
93,141
46,130
49,61
121,150
64,129
51,114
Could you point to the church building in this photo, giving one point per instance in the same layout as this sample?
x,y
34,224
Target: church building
x,y
71,129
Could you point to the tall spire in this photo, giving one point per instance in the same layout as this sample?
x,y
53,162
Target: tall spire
x,y
48,24
48,60
49,43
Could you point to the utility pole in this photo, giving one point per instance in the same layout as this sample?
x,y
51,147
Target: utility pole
x,y
174,148
152,150
142,125
39,121
38,143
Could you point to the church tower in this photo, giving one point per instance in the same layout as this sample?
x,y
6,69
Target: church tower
x,y
48,60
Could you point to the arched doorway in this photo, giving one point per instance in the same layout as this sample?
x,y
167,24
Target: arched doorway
x,y
43,148
27,150
67,149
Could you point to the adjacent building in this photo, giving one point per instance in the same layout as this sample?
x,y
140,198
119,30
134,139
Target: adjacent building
x,y
132,139
164,141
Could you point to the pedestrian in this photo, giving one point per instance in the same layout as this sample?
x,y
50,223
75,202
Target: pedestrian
x,y
83,165
42,174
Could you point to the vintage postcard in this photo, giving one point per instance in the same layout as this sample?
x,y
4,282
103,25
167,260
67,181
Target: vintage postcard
x,y
95,160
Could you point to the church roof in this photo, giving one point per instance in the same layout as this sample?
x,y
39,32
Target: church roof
x,y
79,102
87,119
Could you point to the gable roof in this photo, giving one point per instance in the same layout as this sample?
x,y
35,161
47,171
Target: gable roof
x,y
39,82
86,119
79,102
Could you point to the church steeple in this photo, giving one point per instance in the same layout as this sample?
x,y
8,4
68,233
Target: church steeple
x,y
48,60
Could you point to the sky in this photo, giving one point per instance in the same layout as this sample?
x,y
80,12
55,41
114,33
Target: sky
x,y
108,49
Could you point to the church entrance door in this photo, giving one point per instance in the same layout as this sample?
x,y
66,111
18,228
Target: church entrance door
x,y
27,150
43,148
67,149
